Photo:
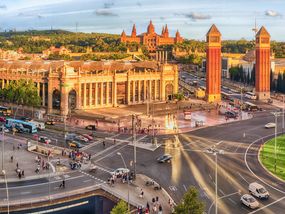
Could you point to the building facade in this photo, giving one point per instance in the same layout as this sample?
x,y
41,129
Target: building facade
x,y
213,65
151,39
262,65
66,86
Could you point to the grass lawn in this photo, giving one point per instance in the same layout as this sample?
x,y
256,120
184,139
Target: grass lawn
x,y
267,156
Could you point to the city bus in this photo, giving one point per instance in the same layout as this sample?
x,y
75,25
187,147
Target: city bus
x,y
250,106
25,126
250,95
5,111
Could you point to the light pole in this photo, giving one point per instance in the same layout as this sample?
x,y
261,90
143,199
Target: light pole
x,y
3,147
17,110
276,114
7,191
134,123
283,114
120,154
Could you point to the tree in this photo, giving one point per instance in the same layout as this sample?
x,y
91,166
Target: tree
x,y
252,76
190,203
120,208
279,82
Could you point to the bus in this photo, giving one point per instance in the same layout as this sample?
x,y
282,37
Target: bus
x,y
25,126
250,106
250,95
5,111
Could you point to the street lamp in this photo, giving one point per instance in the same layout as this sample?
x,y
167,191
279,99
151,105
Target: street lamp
x,y
276,114
3,147
7,191
120,154
134,124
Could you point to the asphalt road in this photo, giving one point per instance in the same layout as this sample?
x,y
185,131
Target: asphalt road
x,y
192,165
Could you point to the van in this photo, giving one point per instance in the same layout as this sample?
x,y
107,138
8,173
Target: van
x,y
258,190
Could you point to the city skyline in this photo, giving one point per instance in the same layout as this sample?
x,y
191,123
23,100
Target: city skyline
x,y
234,19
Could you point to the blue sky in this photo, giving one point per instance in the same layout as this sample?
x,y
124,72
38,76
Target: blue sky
x,y
235,19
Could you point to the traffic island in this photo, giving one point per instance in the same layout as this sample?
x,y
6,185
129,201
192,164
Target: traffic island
x,y
273,160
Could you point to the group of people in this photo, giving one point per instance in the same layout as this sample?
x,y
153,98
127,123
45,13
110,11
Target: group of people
x,y
19,171
154,207
41,164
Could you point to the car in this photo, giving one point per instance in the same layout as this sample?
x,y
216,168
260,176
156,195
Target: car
x,y
2,119
258,190
89,137
270,125
91,127
81,138
43,139
75,144
27,119
50,122
4,128
249,201
120,171
231,114
164,158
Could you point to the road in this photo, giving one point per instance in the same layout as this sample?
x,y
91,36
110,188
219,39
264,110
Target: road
x,y
192,165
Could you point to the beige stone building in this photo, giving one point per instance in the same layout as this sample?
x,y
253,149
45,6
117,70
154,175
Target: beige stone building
x,y
66,86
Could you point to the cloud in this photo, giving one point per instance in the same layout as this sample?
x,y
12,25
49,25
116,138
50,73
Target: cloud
x,y
272,13
197,16
3,6
105,12
108,5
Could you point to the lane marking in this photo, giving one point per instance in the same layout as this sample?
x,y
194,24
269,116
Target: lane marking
x,y
243,178
185,188
25,193
231,200
87,181
274,202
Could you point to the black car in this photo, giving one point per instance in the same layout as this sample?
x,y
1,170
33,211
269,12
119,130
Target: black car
x,y
230,114
91,127
164,158
27,119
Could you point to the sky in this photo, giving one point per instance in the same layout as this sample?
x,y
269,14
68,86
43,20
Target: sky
x,y
234,18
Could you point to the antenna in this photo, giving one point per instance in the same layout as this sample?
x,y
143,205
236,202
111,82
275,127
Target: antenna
x,y
76,27
255,27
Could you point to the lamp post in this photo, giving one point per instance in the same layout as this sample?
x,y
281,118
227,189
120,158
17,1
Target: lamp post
x,y
283,114
134,123
276,114
3,147
7,191
120,154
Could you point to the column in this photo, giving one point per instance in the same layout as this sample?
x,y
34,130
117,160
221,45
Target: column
x,y
107,93
101,93
144,91
64,101
128,91
114,93
96,94
155,89
139,91
44,95
38,87
50,91
150,90
84,96
134,91
90,94
3,83
78,97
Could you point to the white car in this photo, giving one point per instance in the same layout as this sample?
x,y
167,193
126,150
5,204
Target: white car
x,y
249,201
120,171
81,138
270,125
258,190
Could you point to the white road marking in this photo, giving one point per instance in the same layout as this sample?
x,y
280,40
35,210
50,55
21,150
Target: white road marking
x,y
66,176
243,178
225,196
221,191
210,177
185,188
87,181
231,200
25,193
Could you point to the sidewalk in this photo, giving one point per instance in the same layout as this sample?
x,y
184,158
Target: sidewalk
x,y
120,190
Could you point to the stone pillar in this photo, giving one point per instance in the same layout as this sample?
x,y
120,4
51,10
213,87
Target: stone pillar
x,y
175,87
50,91
84,95
155,89
144,91
139,91
3,83
162,57
64,101
44,95
134,91
101,93
107,93
150,90
90,94
114,93
128,91
79,97
96,94
38,87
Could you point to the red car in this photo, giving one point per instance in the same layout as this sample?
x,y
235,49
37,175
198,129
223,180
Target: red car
x,y
2,119
90,138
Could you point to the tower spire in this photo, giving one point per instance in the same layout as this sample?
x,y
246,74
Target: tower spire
x,y
134,31
166,33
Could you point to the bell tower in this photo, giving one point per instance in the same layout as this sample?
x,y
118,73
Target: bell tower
x,y
213,65
262,64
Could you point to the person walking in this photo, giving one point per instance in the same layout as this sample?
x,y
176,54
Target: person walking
x,y
17,165
12,158
23,173
103,143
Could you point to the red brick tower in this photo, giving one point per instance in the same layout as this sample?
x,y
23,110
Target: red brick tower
x,y
134,32
213,65
262,64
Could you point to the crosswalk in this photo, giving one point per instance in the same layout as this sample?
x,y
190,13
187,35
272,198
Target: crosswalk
x,y
93,177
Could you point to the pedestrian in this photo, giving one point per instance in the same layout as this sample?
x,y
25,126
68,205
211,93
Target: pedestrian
x,y
141,195
103,144
63,183
156,199
147,205
12,158
17,165
19,175
160,209
114,141
89,156
23,173
112,181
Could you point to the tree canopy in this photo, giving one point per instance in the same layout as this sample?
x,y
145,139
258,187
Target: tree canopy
x,y
190,203
120,208
21,92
